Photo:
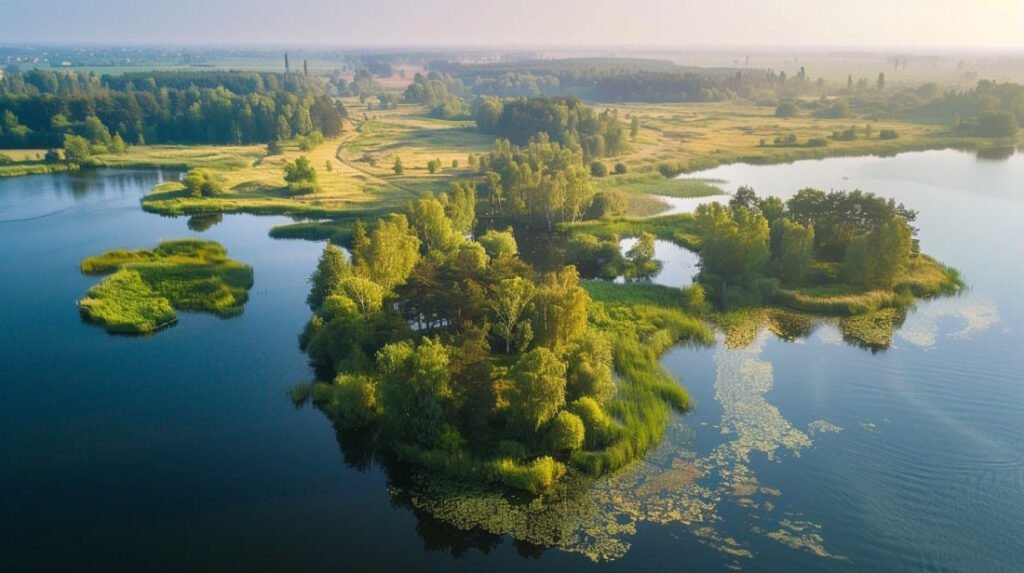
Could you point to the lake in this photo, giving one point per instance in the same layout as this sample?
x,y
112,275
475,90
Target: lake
x,y
182,451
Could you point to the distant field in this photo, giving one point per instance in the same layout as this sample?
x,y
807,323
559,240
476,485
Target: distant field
x,y
698,136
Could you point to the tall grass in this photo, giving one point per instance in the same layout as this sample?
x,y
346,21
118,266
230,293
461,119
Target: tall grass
x,y
147,285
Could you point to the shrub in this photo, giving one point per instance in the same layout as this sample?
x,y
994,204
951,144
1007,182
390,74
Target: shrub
x,y
566,432
598,169
621,169
888,134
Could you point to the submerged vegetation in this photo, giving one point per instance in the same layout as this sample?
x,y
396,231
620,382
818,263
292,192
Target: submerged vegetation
x,y
146,286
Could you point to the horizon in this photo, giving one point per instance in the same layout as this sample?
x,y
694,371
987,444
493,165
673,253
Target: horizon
x,y
649,24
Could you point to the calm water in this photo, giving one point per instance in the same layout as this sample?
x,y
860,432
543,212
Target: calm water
x,y
181,451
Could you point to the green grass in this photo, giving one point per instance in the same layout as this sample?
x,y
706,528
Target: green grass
x,y
657,184
147,286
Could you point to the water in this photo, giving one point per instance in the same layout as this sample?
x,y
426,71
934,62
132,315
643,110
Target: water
x,y
181,451
678,267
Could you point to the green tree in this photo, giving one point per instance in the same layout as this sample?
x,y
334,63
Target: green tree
x,y
415,386
641,257
509,302
331,269
538,390
432,226
499,243
433,166
367,295
117,144
589,368
792,247
76,150
300,176
461,207
634,128
560,309
399,170
202,183
566,432
390,253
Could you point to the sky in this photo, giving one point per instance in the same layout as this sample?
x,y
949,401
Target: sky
x,y
666,23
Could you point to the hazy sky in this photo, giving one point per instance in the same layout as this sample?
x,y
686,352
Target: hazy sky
x,y
981,23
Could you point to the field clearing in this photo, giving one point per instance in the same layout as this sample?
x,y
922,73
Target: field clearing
x,y
700,136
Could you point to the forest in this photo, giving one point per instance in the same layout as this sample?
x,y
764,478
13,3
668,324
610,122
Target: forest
x,y
39,108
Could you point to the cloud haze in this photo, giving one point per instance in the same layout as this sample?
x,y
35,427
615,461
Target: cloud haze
x,y
976,23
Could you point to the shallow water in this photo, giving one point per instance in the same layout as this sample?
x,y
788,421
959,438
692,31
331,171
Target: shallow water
x,y
181,451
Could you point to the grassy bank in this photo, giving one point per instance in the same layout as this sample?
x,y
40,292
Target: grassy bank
x,y
147,286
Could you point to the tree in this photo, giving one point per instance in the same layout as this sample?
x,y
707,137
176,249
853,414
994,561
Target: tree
x,y
509,301
76,150
880,84
367,295
300,176
566,432
415,384
433,166
786,109
398,166
560,309
997,124
621,169
94,130
877,258
589,368
641,257
331,269
499,244
202,183
117,144
389,254
735,247
284,129
432,226
461,207
634,128
538,390
598,169
792,247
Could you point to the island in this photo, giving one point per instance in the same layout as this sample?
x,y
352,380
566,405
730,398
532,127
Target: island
x,y
145,287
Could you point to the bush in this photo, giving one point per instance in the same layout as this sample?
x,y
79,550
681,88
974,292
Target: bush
x,y
888,134
786,109
566,432
621,169
202,183
598,169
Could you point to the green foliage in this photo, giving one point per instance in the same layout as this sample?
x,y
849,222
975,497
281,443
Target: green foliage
x,y
566,121
351,401
147,285
202,183
641,258
124,303
598,169
389,254
566,432
786,108
792,246
559,313
510,299
300,176
326,279
461,207
398,169
432,226
433,166
76,150
996,124
538,390
544,182
499,243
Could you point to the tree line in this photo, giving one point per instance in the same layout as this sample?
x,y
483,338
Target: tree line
x,y
38,109
753,245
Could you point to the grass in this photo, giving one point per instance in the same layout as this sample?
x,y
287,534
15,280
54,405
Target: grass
x,y
680,229
693,137
147,286
657,184
924,277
